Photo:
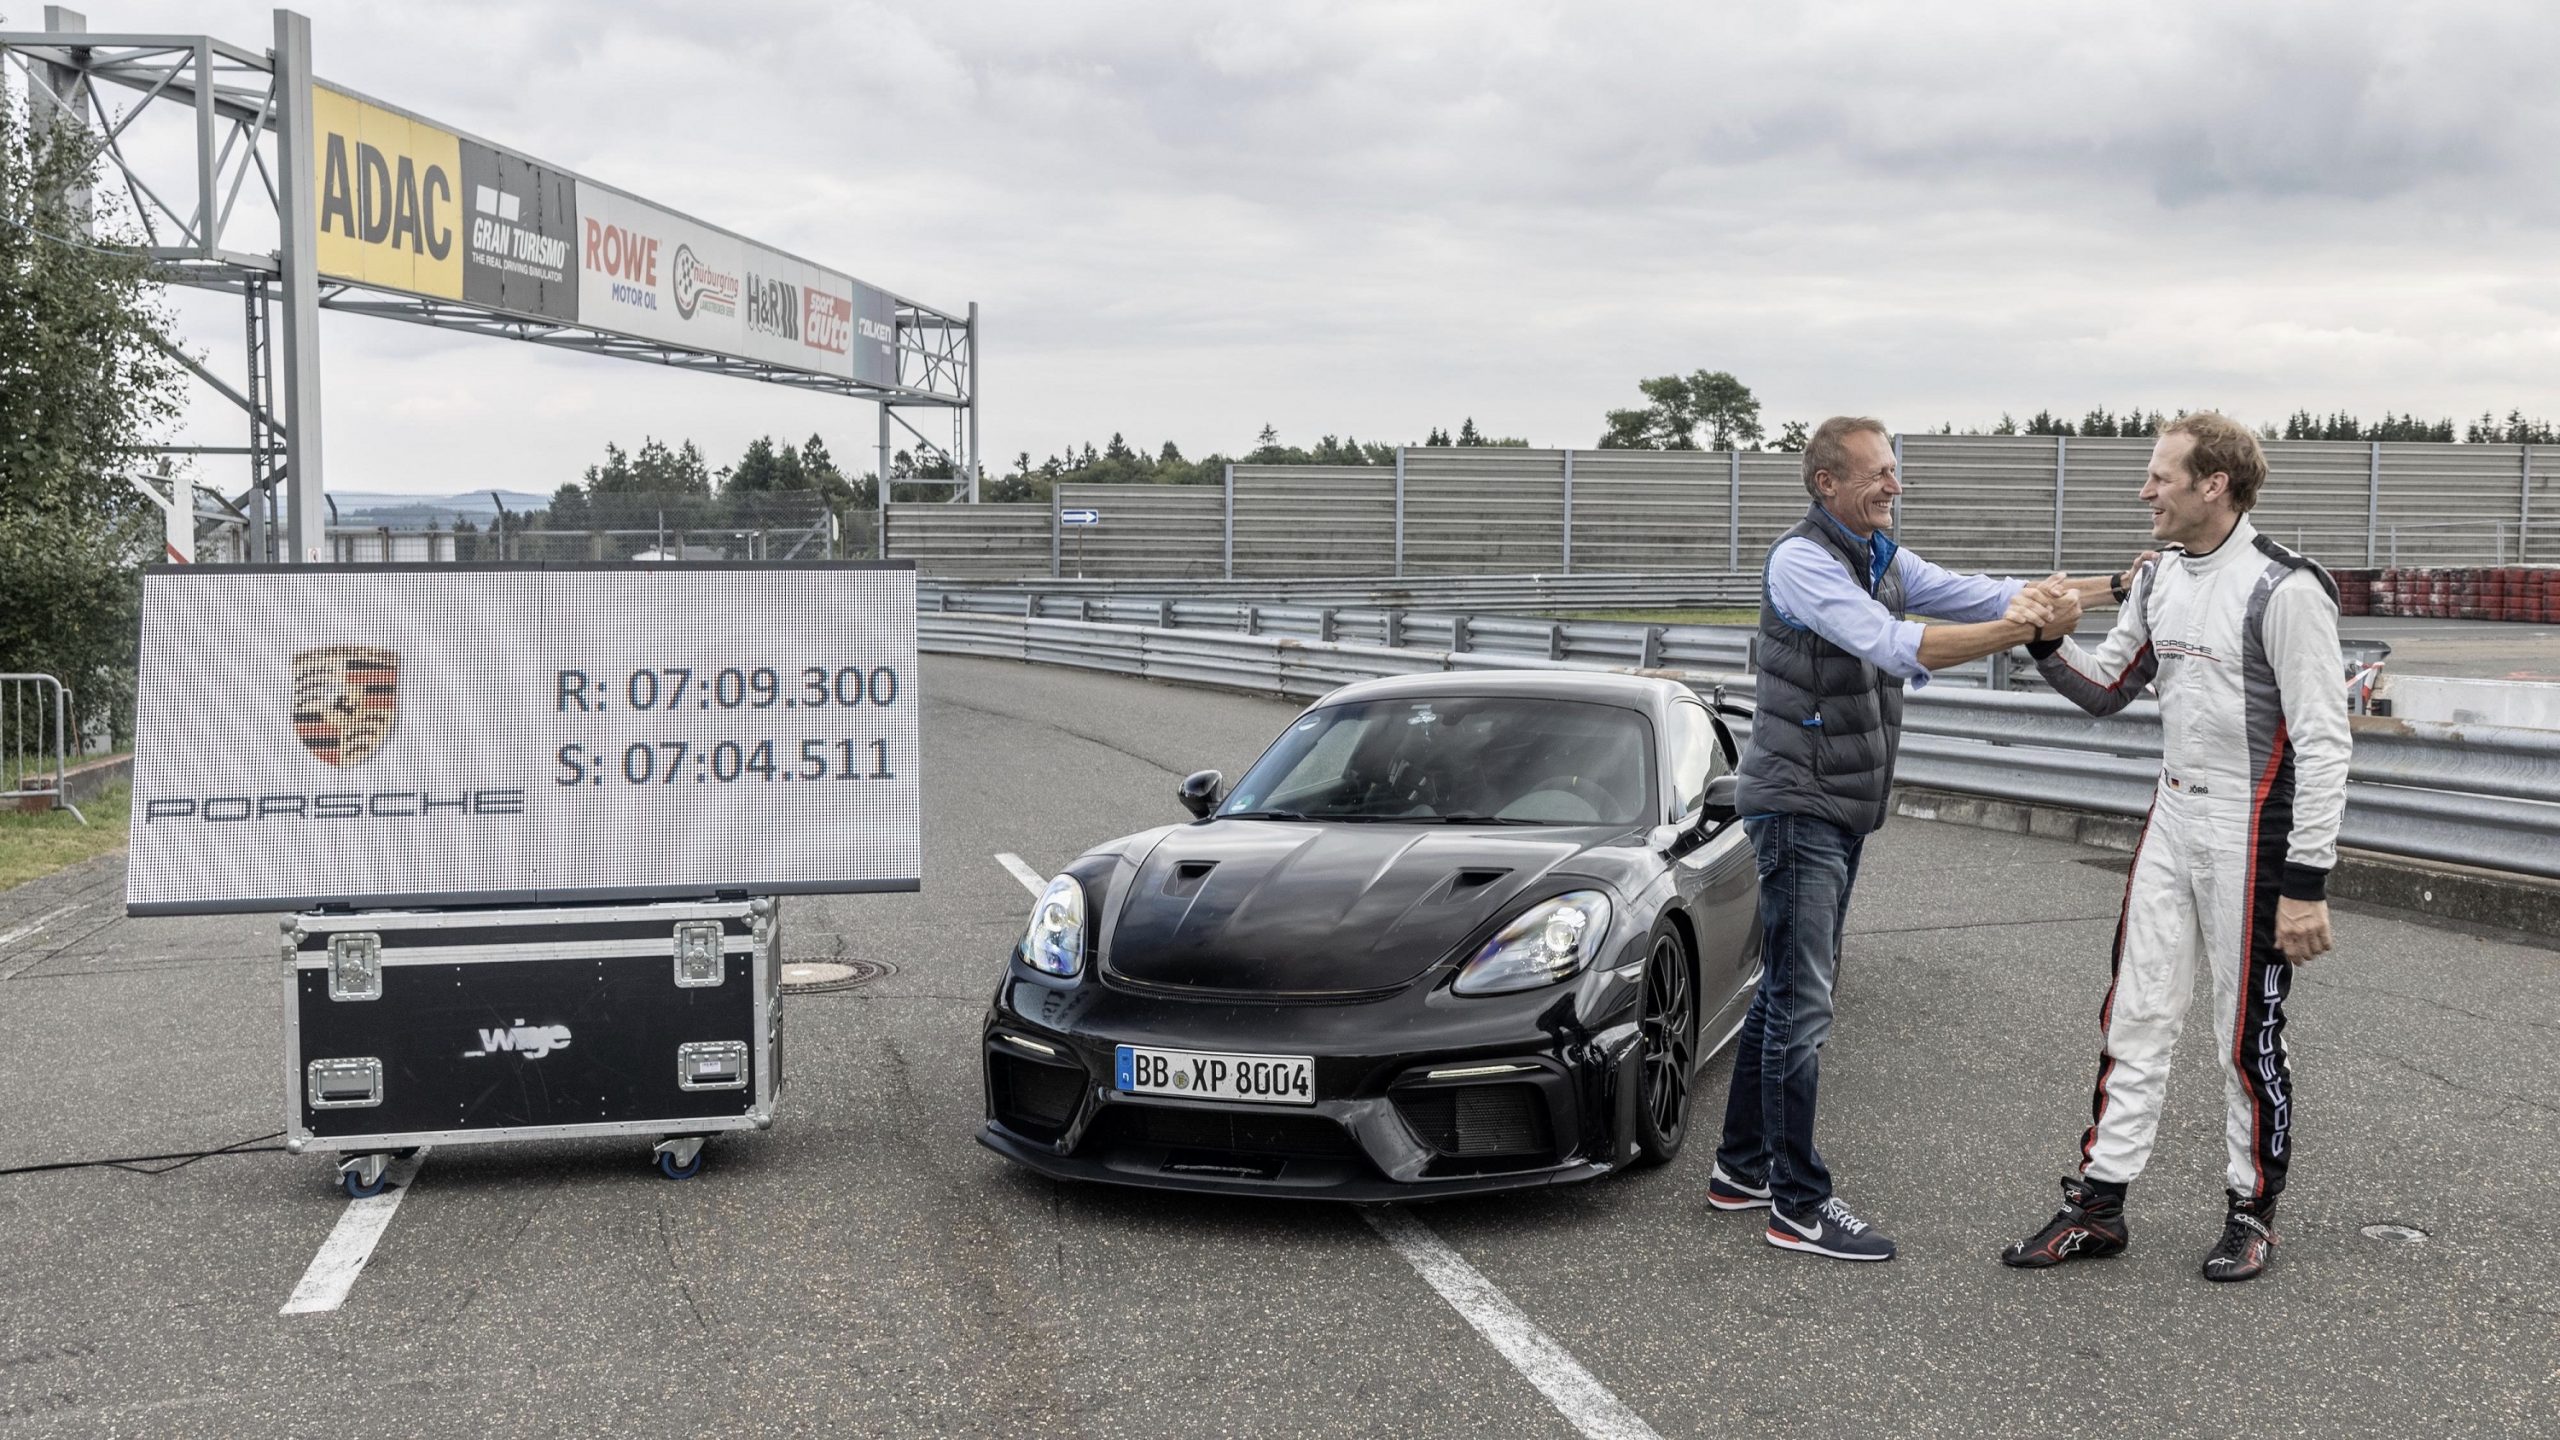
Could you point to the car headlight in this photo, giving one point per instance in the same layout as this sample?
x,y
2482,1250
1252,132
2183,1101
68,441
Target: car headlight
x,y
1551,942
1054,945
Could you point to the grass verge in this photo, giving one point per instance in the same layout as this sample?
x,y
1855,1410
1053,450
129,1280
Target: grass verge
x,y
39,844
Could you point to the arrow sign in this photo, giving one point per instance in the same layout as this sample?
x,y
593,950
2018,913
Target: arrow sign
x,y
1079,517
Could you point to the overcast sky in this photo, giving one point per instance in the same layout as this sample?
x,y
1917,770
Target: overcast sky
x,y
1186,220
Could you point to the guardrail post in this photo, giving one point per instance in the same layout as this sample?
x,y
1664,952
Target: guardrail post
x,y
1253,619
1460,642
2524,510
1231,522
1733,507
1030,607
1555,639
1394,630
1751,655
2000,661
1054,571
2373,505
1324,625
1084,609
1649,651
2061,468
1164,614
1400,510
1568,512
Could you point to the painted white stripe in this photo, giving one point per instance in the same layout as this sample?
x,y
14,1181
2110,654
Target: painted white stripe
x,y
343,1255
38,923
1032,880
1585,1403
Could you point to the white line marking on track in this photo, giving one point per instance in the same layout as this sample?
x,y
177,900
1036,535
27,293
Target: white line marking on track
x,y
1032,880
342,1256
37,924
1586,1404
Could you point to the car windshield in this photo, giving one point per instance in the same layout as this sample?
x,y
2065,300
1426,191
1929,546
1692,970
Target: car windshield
x,y
1457,759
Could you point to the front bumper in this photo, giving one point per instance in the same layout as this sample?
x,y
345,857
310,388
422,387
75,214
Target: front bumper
x,y
1543,1091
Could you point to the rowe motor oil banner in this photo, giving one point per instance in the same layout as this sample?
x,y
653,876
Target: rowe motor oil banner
x,y
453,734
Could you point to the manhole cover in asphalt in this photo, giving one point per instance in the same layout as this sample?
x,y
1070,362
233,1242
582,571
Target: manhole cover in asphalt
x,y
2397,1234
816,977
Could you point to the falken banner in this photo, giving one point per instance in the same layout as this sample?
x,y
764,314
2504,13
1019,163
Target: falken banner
x,y
408,205
456,734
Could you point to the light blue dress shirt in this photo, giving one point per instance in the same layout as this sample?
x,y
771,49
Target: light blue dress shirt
x,y
1812,592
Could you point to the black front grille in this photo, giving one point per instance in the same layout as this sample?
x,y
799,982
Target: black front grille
x,y
1034,1099
1471,1121
1222,1130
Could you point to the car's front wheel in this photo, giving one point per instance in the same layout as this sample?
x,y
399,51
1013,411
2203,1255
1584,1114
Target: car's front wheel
x,y
1667,1040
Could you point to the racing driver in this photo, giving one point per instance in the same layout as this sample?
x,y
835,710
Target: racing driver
x,y
2241,636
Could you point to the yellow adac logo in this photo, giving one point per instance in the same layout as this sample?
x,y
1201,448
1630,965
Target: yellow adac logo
x,y
391,204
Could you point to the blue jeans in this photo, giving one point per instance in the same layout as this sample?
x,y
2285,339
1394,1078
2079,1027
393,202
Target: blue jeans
x,y
1807,867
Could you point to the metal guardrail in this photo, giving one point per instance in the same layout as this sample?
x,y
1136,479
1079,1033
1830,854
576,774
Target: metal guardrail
x,y
33,707
1692,590
2474,795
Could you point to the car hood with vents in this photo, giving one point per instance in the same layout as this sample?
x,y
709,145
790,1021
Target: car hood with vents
x,y
1314,908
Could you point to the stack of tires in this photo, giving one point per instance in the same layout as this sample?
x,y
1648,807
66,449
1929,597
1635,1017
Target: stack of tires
x,y
2528,594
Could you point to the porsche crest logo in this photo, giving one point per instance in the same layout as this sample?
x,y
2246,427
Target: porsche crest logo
x,y
344,700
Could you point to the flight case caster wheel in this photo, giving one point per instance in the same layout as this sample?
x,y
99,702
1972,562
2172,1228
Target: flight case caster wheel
x,y
364,1176
680,1158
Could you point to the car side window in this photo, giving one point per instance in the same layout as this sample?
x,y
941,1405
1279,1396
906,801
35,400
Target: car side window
x,y
1695,756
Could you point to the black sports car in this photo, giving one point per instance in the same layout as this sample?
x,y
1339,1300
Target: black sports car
x,y
1451,933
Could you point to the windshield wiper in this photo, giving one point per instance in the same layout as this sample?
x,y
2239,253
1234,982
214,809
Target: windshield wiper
x,y
1260,815
1493,820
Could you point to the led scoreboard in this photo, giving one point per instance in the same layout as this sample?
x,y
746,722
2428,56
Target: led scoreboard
x,y
311,735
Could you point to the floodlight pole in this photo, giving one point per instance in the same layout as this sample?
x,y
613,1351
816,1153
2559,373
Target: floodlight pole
x,y
298,294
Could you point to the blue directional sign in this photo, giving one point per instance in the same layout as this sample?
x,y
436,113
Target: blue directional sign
x,y
1079,517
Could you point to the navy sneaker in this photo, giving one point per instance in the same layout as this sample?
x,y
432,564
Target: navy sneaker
x,y
1831,1230
1726,1193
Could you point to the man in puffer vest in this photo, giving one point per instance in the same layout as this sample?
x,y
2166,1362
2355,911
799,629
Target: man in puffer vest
x,y
1836,650
2240,635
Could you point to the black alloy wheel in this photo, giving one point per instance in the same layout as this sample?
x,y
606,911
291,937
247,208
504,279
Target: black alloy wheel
x,y
1667,1028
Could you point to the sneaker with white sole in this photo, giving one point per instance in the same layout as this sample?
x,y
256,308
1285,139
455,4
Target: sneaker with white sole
x,y
1726,1193
1831,1230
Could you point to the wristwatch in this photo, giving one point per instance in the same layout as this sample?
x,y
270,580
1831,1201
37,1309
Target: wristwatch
x,y
2117,587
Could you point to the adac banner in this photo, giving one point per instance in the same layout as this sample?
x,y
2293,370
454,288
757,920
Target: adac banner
x,y
410,206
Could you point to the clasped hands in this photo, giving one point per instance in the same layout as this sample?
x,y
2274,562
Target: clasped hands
x,y
2050,607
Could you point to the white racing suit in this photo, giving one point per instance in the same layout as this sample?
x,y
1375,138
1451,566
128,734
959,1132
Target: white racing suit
x,y
2243,644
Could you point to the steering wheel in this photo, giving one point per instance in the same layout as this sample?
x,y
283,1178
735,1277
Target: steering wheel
x,y
1590,792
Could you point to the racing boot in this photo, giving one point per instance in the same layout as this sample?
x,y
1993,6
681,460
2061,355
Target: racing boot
x,y
2248,1241
2090,1224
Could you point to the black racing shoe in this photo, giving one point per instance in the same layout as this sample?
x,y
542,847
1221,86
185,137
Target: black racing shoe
x,y
2089,1225
2248,1242
1830,1230
1726,1193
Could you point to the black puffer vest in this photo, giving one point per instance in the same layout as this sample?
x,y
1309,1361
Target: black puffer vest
x,y
1829,724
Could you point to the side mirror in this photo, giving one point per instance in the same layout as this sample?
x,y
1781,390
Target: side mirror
x,y
1721,802
1201,791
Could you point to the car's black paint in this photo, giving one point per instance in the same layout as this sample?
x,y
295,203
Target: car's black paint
x,y
1339,941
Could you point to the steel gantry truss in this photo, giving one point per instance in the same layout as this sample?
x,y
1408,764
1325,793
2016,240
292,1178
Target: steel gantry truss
x,y
247,133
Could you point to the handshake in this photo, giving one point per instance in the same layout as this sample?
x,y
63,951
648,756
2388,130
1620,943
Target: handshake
x,y
2050,607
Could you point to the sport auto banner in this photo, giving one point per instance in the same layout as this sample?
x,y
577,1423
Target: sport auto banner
x,y
454,734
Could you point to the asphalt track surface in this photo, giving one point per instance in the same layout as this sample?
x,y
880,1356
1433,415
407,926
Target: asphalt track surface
x,y
864,1269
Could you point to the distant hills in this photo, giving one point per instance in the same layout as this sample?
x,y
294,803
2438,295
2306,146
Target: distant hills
x,y
416,512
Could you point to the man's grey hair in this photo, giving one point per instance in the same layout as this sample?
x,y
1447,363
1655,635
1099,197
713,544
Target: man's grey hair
x,y
1828,448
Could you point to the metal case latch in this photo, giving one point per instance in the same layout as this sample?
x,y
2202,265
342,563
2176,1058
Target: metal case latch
x,y
343,1084
712,1065
699,962
355,966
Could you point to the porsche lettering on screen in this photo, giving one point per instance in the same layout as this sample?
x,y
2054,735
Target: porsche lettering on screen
x,y
319,735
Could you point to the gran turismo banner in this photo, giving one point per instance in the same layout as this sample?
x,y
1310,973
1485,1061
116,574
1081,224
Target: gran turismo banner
x,y
461,734
410,206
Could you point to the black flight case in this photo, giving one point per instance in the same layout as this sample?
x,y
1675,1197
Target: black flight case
x,y
406,1028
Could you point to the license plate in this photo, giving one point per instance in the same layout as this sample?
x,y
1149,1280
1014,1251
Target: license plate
x,y
1206,1075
